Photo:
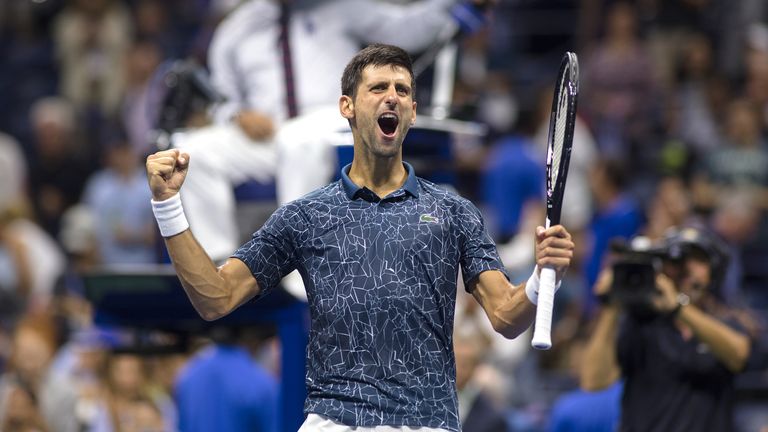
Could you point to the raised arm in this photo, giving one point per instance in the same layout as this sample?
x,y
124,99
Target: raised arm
x,y
507,307
728,345
213,291
414,26
512,309
600,367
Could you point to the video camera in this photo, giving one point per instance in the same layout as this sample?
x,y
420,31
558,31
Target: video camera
x,y
180,88
638,262
634,269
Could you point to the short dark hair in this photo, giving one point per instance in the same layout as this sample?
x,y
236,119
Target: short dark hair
x,y
374,55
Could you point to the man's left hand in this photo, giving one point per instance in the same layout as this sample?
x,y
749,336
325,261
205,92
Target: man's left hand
x,y
554,249
666,301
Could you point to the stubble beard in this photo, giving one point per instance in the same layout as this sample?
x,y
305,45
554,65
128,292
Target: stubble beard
x,y
386,149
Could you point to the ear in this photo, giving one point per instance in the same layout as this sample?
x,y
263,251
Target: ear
x,y
346,107
413,117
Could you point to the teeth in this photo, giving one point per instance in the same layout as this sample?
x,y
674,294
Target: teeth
x,y
388,116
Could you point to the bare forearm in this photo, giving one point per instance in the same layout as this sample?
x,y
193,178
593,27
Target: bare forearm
x,y
729,346
600,368
515,314
511,309
205,287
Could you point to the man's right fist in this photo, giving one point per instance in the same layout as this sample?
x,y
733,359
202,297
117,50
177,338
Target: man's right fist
x,y
166,171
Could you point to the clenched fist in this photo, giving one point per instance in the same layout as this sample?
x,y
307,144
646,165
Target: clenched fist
x,y
166,171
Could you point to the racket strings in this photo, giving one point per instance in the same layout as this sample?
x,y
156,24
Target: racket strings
x,y
558,138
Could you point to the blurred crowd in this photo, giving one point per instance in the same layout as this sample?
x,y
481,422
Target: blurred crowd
x,y
673,115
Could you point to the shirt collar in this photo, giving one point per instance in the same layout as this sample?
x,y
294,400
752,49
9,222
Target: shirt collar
x,y
352,190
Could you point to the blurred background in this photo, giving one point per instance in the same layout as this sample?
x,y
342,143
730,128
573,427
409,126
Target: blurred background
x,y
94,333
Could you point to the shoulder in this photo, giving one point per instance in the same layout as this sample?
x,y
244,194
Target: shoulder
x,y
320,199
446,198
330,193
438,192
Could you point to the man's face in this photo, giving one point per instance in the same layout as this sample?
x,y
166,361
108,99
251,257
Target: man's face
x,y
382,110
692,276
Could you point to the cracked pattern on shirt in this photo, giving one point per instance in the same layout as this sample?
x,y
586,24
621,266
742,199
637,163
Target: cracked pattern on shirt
x,y
381,284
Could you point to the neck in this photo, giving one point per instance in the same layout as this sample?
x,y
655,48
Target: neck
x,y
381,175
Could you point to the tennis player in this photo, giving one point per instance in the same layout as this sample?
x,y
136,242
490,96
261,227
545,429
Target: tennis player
x,y
380,252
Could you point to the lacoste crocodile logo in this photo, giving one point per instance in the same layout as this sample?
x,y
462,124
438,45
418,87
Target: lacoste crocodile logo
x,y
428,218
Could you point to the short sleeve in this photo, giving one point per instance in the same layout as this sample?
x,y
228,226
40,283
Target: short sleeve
x,y
478,251
272,251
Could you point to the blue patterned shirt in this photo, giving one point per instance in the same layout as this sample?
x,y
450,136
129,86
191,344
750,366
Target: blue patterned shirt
x,y
381,277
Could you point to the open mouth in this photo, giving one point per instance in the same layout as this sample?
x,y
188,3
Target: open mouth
x,y
388,124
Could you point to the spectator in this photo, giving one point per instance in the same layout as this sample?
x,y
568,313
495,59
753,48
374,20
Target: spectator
x,y
512,179
92,37
127,405
142,60
478,411
13,173
585,411
76,370
737,220
15,269
618,85
119,201
698,90
34,344
59,169
24,243
15,276
617,215
29,71
740,162
254,80
670,206
223,388
756,80
19,410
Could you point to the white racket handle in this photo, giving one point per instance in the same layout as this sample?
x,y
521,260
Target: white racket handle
x,y
542,330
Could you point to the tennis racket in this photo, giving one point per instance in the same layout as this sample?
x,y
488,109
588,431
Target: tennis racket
x,y
559,142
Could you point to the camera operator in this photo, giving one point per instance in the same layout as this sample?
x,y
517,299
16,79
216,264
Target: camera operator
x,y
662,330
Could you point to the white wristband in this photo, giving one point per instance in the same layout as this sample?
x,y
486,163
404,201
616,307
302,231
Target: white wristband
x,y
170,216
532,286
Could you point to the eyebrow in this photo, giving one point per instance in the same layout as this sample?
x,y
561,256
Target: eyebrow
x,y
398,84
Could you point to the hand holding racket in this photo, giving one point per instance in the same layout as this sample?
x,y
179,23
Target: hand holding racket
x,y
559,142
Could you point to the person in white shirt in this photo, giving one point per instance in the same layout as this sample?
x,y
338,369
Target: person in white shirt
x,y
247,65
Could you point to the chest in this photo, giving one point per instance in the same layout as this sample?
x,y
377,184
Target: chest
x,y
384,232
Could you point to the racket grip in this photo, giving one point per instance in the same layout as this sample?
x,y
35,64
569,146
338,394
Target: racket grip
x,y
542,330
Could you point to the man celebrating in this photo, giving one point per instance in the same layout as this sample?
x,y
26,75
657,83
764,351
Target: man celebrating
x,y
380,252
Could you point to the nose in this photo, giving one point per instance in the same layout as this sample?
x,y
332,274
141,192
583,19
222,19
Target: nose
x,y
391,97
